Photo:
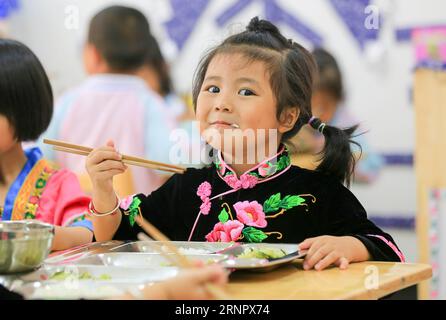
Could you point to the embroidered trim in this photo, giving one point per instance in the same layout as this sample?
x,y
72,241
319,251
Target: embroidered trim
x,y
247,180
391,245
264,170
133,210
28,197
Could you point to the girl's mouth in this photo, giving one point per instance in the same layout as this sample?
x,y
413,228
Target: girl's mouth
x,y
224,124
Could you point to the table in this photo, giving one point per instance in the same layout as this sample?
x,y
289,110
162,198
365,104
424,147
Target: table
x,y
365,280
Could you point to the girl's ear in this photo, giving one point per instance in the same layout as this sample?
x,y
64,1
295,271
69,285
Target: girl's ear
x,y
288,119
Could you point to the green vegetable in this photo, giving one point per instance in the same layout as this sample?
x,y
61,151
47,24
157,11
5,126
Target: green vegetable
x,y
262,253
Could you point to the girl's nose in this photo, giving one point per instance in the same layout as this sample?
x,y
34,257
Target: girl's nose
x,y
223,106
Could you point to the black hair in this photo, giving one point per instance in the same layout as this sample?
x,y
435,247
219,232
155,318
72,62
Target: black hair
x,y
329,76
155,59
119,33
25,91
291,69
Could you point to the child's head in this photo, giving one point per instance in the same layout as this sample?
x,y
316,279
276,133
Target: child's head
x,y
328,88
258,79
155,70
26,103
117,41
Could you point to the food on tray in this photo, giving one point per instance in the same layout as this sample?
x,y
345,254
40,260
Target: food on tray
x,y
187,251
63,275
262,253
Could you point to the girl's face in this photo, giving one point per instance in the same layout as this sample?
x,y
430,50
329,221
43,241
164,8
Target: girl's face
x,y
7,139
236,96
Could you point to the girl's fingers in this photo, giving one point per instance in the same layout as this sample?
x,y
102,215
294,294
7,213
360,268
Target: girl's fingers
x,y
316,256
110,143
314,248
304,245
105,175
342,263
109,165
328,260
98,156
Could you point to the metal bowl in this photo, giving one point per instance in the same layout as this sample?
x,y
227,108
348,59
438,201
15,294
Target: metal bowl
x,y
24,245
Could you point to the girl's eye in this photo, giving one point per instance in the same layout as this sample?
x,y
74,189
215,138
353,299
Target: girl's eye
x,y
246,92
213,89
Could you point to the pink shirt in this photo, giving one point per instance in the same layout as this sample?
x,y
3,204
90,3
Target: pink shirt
x,y
117,107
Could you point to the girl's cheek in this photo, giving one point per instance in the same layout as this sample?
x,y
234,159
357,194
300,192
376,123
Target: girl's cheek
x,y
6,135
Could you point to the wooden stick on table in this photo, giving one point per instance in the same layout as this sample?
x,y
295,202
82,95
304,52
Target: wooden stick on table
x,y
181,260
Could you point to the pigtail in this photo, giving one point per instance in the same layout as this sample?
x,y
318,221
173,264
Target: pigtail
x,y
337,158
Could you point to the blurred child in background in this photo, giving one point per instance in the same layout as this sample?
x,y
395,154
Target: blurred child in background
x,y
327,104
113,102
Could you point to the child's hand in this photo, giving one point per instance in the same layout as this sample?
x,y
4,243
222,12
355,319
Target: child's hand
x,y
324,251
189,284
103,164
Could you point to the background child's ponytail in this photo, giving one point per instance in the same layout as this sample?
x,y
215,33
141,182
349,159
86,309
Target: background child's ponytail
x,y
337,158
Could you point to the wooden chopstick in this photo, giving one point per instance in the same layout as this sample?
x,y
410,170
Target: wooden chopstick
x,y
133,163
88,149
82,150
181,260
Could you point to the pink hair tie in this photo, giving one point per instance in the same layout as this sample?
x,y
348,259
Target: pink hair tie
x,y
311,120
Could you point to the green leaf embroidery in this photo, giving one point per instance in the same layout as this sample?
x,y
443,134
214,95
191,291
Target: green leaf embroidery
x,y
40,183
29,215
283,162
272,204
252,234
223,216
291,201
254,174
133,210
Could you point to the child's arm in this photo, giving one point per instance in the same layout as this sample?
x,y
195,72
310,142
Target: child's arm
x,y
102,165
68,237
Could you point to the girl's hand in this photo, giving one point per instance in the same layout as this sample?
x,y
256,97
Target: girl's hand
x,y
188,285
103,164
324,251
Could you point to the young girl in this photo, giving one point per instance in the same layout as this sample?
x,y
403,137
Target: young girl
x,y
30,186
256,79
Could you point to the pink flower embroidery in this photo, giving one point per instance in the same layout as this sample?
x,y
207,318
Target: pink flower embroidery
x,y
126,202
205,206
246,181
34,200
250,213
232,181
222,169
225,232
204,190
266,169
